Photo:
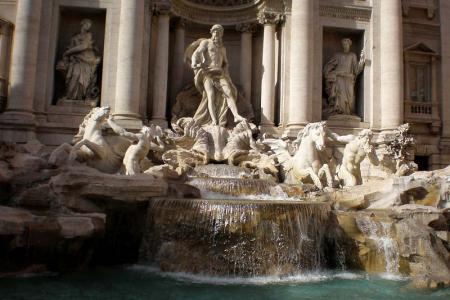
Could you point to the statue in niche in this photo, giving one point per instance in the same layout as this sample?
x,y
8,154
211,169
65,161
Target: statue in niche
x,y
208,59
340,74
79,66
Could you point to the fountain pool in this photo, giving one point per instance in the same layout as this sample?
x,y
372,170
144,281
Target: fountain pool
x,y
142,282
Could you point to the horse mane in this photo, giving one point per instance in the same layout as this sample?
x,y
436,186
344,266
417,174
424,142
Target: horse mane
x,y
79,136
307,130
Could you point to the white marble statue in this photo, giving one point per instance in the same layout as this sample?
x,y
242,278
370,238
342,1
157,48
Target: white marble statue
x,y
340,74
79,65
356,149
92,146
306,165
208,59
142,143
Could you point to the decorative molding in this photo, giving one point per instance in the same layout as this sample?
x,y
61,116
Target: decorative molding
x,y
246,27
161,8
208,14
222,3
353,13
429,5
270,17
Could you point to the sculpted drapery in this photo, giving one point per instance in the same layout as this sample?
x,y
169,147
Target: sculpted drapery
x,y
340,74
79,65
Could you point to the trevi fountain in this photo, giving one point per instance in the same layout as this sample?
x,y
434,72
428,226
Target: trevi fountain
x,y
213,205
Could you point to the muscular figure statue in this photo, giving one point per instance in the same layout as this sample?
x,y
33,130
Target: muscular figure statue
x,y
349,172
210,65
142,144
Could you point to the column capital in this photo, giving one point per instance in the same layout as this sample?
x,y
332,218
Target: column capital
x,y
179,23
246,27
162,8
270,17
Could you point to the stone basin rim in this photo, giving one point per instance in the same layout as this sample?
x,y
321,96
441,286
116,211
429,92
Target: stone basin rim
x,y
243,201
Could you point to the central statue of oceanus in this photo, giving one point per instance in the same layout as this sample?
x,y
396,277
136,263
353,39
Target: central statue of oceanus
x,y
208,60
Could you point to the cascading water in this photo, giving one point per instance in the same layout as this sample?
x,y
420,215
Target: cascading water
x,y
380,233
235,238
235,187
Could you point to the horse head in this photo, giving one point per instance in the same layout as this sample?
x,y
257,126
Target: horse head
x,y
100,113
316,132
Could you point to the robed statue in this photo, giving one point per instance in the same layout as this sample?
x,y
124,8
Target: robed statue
x,y
79,65
340,74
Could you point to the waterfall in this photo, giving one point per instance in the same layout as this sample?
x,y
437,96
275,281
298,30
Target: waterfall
x,y
232,186
220,171
380,233
235,237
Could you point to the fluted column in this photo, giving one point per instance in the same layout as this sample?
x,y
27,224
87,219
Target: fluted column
x,y
178,64
300,107
161,68
24,61
391,67
246,30
269,20
5,39
445,72
129,63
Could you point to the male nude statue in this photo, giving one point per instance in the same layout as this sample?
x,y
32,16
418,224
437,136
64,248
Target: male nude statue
x,y
357,148
210,65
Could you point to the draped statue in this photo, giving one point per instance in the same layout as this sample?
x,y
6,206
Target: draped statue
x,y
340,74
79,65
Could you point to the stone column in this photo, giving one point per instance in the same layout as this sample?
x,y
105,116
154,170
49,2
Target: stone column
x,y
391,66
269,20
5,40
129,64
445,74
246,30
161,67
24,61
178,63
300,105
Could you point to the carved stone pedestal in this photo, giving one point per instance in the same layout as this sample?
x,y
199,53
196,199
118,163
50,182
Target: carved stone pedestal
x,y
344,121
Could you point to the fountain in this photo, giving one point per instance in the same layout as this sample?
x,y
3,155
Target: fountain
x,y
212,196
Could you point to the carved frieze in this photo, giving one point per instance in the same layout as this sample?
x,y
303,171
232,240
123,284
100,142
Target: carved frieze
x,y
353,13
212,12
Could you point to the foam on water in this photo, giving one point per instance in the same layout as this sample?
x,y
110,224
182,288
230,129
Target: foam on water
x,y
257,280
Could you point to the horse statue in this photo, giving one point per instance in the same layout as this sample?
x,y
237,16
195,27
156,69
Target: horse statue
x,y
302,160
103,153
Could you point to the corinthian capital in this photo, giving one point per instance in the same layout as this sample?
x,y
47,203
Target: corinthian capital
x,y
246,27
161,8
270,17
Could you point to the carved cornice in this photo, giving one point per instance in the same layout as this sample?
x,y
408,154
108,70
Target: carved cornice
x,y
353,13
5,27
429,5
203,13
246,27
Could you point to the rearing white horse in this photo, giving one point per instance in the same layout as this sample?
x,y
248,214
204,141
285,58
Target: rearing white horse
x,y
92,147
306,165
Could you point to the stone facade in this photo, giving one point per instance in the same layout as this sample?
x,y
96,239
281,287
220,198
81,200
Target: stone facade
x,y
276,50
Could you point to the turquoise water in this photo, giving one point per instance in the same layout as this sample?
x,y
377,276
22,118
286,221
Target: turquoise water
x,y
146,283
